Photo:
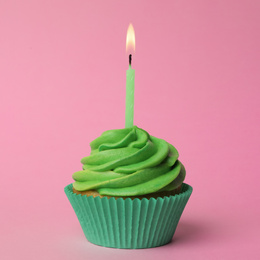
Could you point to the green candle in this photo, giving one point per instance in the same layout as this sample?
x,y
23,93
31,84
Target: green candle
x,y
130,79
130,91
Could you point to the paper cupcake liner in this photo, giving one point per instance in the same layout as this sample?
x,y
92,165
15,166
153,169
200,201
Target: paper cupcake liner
x,y
129,223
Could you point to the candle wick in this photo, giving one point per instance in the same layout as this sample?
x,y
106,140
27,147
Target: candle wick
x,y
130,59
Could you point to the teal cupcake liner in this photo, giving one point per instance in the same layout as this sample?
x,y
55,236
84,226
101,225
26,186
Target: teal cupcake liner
x,y
127,223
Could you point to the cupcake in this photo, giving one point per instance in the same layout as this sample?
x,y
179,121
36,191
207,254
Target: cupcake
x,y
130,193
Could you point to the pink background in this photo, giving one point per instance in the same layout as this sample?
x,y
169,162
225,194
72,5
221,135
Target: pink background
x,y
62,83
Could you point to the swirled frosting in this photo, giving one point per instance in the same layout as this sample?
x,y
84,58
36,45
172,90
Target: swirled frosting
x,y
129,162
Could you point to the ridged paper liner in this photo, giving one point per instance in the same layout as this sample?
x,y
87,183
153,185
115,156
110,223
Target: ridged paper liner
x,y
129,223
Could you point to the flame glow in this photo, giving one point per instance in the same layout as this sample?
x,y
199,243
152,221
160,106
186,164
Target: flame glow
x,y
130,40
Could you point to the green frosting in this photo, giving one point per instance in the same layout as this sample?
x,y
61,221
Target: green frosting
x,y
129,162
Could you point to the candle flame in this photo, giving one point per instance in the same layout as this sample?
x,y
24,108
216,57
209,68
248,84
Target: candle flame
x,y
130,40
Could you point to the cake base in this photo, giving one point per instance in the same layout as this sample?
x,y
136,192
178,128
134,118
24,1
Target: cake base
x,y
126,223
155,195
